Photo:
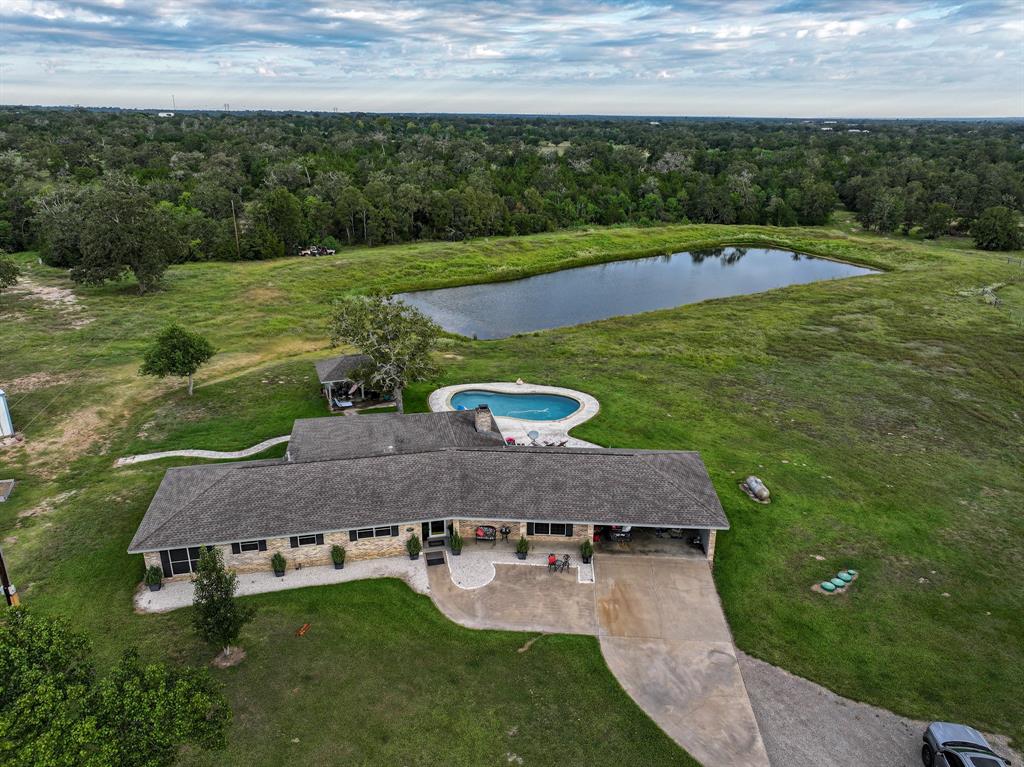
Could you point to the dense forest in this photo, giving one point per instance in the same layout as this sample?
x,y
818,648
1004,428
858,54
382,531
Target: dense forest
x,y
104,191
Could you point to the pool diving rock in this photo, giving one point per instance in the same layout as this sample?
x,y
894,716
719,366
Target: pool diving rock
x,y
756,489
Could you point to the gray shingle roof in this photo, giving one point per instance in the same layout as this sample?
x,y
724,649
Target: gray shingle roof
x,y
231,502
339,368
322,439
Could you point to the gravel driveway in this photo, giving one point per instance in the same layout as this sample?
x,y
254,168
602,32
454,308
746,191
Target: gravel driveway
x,y
805,725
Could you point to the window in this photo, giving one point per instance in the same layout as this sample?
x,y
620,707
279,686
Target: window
x,y
179,561
238,548
549,528
316,539
372,532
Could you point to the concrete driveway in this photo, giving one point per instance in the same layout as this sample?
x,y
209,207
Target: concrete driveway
x,y
664,636
662,633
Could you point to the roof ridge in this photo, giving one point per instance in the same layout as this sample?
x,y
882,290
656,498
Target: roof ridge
x,y
193,497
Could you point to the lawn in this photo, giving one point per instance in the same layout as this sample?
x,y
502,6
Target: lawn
x,y
884,413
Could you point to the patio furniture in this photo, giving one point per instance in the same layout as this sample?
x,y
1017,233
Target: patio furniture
x,y
486,533
563,566
552,563
505,531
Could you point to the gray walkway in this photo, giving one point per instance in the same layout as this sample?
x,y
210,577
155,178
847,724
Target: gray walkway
x,y
806,725
175,594
215,454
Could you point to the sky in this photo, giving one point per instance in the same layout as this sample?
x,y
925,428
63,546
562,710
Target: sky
x,y
789,58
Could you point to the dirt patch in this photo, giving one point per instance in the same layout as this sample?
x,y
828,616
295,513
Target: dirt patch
x,y
34,382
529,644
63,300
47,505
78,432
266,295
228,658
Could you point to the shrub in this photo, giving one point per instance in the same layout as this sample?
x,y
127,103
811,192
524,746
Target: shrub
x,y
278,563
154,575
522,546
338,554
413,545
587,548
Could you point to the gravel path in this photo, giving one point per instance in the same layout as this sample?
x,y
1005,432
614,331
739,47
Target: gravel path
x,y
806,725
259,448
176,594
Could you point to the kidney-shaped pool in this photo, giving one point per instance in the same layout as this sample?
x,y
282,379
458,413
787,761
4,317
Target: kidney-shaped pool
x,y
532,407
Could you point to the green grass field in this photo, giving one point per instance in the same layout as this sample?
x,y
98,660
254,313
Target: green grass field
x,y
884,412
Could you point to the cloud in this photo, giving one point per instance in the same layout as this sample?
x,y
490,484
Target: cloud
x,y
448,51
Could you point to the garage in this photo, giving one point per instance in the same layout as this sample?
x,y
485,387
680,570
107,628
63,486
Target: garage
x,y
688,542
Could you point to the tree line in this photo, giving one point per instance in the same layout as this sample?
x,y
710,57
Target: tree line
x,y
104,192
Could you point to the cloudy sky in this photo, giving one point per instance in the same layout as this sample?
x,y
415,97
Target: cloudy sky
x,y
732,57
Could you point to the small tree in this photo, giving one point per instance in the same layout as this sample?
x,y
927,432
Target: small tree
x,y
217,616
997,229
176,352
9,271
398,338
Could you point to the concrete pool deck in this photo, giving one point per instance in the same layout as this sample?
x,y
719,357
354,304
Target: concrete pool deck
x,y
517,428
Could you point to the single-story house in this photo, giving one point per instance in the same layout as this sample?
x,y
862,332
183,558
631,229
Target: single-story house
x,y
370,482
339,380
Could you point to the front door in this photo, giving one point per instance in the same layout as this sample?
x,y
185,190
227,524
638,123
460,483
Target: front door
x,y
434,532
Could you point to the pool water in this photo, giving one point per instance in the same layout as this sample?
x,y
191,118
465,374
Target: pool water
x,y
531,407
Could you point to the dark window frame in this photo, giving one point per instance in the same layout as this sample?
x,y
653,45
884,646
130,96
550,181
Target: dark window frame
x,y
383,531
244,547
307,539
557,529
180,561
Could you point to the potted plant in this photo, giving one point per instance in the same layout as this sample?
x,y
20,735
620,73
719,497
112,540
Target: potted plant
x,y
154,578
522,547
278,563
586,551
338,556
455,540
413,546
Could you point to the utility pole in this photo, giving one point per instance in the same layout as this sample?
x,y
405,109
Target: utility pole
x,y
10,593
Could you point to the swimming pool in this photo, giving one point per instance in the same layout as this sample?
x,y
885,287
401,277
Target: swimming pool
x,y
531,407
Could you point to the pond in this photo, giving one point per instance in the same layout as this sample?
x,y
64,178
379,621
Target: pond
x,y
588,293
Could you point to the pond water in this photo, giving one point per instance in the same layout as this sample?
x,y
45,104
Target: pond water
x,y
534,407
588,293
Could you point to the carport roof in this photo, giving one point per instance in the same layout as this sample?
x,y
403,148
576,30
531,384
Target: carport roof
x,y
245,501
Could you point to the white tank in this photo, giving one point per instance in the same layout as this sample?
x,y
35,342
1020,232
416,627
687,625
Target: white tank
x,y
6,424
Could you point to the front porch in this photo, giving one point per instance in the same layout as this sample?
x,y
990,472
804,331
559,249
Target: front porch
x,y
476,566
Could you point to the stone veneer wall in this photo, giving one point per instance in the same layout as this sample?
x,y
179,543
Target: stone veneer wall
x,y
256,561
467,529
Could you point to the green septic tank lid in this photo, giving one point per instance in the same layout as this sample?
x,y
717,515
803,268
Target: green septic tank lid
x,y
845,576
851,571
838,583
827,585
